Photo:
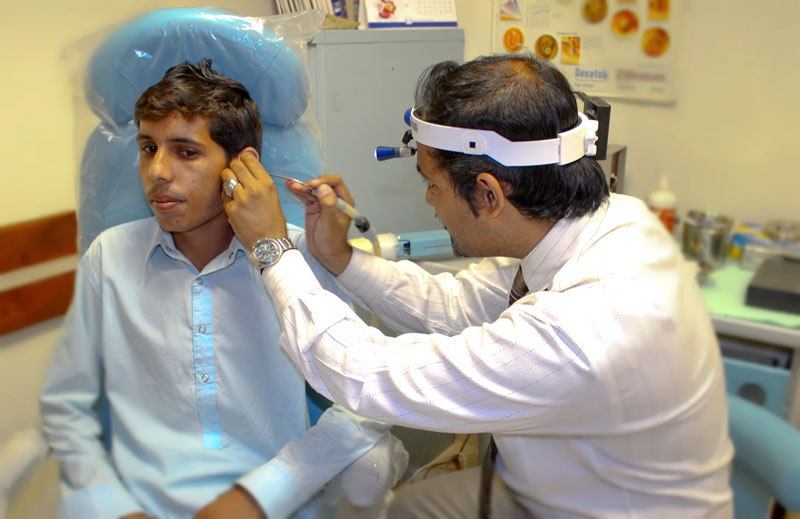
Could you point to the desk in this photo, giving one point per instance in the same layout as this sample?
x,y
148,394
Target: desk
x,y
778,333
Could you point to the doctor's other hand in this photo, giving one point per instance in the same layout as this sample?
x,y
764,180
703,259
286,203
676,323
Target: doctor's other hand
x,y
253,208
236,502
326,226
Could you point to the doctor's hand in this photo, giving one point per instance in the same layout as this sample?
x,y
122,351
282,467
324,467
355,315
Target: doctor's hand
x,y
254,211
326,226
236,502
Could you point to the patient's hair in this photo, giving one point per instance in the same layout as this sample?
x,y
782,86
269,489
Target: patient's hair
x,y
522,98
198,91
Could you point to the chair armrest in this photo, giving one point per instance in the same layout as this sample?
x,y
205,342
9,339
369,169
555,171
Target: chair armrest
x,y
19,455
769,447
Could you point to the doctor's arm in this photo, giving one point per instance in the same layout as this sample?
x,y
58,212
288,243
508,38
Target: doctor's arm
x,y
70,406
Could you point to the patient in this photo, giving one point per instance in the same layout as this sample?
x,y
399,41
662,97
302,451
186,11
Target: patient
x,y
168,394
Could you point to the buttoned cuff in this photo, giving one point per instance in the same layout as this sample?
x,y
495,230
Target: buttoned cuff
x,y
274,489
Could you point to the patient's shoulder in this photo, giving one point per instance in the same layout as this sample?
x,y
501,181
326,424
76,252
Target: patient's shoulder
x,y
125,238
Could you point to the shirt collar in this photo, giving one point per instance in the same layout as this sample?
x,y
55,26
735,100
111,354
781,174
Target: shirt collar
x,y
164,241
557,247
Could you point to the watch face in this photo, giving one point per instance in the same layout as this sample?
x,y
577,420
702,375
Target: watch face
x,y
267,251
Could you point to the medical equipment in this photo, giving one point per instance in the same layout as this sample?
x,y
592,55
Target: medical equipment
x,y
419,245
599,110
387,152
776,285
567,147
588,138
361,222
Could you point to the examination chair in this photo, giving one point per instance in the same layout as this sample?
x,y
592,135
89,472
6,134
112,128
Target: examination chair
x,y
136,56
766,465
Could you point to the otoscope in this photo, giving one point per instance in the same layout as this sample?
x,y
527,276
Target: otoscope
x,y
361,222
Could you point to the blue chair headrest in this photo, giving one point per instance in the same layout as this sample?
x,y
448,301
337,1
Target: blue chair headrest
x,y
137,55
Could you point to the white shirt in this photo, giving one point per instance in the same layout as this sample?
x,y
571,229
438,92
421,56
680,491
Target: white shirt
x,y
200,394
603,387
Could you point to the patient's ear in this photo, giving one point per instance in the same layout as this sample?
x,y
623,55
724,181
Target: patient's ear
x,y
252,150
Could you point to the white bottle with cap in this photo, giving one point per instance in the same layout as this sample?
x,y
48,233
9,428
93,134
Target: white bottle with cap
x,y
663,202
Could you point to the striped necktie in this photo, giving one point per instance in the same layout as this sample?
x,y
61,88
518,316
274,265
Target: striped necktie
x,y
518,290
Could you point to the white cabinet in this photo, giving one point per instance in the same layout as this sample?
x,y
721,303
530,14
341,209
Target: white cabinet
x,y
363,81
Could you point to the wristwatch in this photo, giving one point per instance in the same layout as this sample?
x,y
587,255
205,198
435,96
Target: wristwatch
x,y
268,251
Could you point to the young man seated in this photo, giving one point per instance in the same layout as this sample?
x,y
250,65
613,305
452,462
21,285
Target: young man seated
x,y
171,327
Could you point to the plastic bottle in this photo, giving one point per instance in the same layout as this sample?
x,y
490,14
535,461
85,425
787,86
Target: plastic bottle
x,y
662,202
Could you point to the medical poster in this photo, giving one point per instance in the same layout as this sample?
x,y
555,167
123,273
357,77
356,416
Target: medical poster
x,y
611,48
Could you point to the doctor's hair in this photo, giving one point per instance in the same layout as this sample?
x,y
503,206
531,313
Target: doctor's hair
x,y
522,98
198,91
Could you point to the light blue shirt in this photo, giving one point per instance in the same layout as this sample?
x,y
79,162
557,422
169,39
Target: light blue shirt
x,y
200,395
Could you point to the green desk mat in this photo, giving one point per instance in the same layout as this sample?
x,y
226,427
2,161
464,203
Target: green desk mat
x,y
724,291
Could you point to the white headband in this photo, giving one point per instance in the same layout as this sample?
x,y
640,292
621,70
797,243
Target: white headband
x,y
568,147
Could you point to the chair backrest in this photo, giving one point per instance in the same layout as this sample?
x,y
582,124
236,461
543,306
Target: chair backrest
x,y
763,385
767,460
136,56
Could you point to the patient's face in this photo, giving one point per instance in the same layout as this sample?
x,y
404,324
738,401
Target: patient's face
x,y
180,165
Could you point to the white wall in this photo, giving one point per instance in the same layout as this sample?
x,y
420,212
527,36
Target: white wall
x,y
729,143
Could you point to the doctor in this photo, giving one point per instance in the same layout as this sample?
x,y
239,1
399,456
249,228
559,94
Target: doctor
x,y
581,341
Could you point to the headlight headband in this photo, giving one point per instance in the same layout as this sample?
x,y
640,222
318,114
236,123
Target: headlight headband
x,y
567,147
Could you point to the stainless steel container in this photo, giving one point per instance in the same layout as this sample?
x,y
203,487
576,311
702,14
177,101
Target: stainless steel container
x,y
706,238
783,231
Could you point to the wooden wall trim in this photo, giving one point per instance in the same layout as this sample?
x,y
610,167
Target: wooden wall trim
x,y
29,243
36,241
30,304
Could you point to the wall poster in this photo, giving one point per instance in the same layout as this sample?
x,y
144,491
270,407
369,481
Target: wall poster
x,y
610,48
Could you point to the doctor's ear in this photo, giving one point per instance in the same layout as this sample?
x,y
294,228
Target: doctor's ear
x,y
490,194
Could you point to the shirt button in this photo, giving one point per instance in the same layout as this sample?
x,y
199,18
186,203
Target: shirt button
x,y
199,281
205,378
202,329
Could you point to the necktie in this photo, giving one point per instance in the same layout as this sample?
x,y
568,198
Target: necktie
x,y
518,290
